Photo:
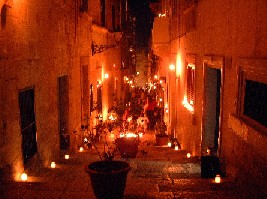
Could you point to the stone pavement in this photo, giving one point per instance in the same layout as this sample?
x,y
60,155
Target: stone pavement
x,y
157,173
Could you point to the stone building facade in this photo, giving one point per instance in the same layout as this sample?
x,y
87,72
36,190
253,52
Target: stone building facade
x,y
217,89
46,70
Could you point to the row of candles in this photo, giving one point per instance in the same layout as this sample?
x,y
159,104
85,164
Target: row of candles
x,y
24,176
217,178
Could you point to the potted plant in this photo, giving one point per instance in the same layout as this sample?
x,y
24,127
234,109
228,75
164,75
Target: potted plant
x,y
162,137
128,141
108,176
128,146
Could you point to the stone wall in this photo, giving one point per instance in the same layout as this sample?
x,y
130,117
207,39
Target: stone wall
x,y
230,30
40,42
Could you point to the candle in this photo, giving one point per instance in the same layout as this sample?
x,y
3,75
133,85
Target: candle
x,y
81,149
188,155
217,179
176,148
67,157
169,144
53,165
24,177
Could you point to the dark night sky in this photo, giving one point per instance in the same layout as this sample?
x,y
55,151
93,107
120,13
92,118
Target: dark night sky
x,y
144,21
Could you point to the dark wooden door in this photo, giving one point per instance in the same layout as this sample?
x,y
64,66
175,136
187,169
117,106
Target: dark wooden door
x,y
27,123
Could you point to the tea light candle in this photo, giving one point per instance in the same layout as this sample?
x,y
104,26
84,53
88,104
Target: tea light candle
x,y
24,177
217,179
176,148
81,149
67,157
188,155
53,165
169,144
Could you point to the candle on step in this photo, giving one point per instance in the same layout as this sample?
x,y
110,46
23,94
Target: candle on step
x,y
188,155
24,177
169,144
217,179
53,165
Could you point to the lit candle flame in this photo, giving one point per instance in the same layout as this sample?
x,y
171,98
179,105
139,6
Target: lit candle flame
x,y
53,165
81,149
217,179
24,177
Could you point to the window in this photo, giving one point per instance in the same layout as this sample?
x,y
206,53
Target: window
x,y
253,95
255,106
91,99
174,8
190,76
103,13
3,16
84,6
99,98
190,21
189,95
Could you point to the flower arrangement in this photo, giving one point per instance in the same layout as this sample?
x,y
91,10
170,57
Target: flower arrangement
x,y
160,129
103,140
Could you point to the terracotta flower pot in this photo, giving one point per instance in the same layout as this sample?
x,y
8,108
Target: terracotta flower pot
x,y
128,147
108,178
161,140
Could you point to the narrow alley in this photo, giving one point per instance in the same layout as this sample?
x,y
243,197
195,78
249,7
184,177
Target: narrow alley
x,y
157,173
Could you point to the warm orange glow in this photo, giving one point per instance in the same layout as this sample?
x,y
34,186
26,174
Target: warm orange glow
x,y
178,64
176,148
188,155
128,135
81,149
217,179
172,67
155,76
53,165
67,157
24,177
106,75
169,144
112,136
187,105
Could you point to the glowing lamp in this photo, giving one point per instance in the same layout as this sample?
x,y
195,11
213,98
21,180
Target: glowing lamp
x,y
169,144
81,149
24,177
188,155
106,76
67,157
172,67
176,148
217,179
53,165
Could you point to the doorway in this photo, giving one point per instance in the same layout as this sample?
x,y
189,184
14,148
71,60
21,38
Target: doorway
x,y
211,111
27,124
63,108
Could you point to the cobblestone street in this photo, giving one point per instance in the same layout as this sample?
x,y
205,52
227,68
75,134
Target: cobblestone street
x,y
158,173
